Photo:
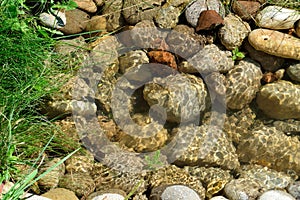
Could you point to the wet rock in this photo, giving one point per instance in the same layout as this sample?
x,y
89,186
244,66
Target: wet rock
x,y
214,179
241,188
294,72
216,83
269,147
211,58
51,179
276,195
234,31
280,100
149,136
172,175
181,96
208,20
86,5
246,10
294,189
267,178
135,11
51,21
59,194
109,194
112,10
76,22
194,9
275,43
242,84
276,17
98,2
297,27
80,183
96,23
173,192
146,35
183,41
163,57
167,16
205,146
268,62
132,59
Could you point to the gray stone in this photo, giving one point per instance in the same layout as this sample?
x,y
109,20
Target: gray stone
x,y
167,17
178,192
276,195
294,72
294,189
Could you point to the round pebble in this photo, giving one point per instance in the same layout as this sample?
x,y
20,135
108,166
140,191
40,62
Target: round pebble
x,y
218,198
179,192
276,195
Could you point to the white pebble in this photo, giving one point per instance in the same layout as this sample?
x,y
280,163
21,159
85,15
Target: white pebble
x,y
179,192
276,195
218,198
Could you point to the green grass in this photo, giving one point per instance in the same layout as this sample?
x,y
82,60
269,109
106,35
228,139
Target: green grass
x,y
25,80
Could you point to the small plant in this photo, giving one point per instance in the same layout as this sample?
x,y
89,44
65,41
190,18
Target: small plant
x,y
154,161
237,55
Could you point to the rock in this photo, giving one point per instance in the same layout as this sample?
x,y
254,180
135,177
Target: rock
x,y
267,178
276,17
167,16
80,163
280,100
294,72
275,43
96,23
80,183
112,10
246,10
208,20
184,42
51,179
241,188
205,146
214,179
210,59
269,147
109,194
76,22
218,198
181,96
146,35
60,194
242,84
297,27
163,57
276,195
174,192
216,83
172,175
194,9
294,189
98,2
268,62
137,11
51,21
86,5
132,59
234,31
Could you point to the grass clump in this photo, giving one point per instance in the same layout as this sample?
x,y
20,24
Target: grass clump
x,y
24,80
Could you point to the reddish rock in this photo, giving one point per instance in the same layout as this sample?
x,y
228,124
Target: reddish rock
x,y
245,9
163,57
209,19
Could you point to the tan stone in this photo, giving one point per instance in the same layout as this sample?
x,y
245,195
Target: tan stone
x,y
60,194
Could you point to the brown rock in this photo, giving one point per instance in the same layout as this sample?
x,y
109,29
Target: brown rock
x,y
163,57
297,27
97,23
246,9
209,19
60,194
76,22
268,62
87,5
